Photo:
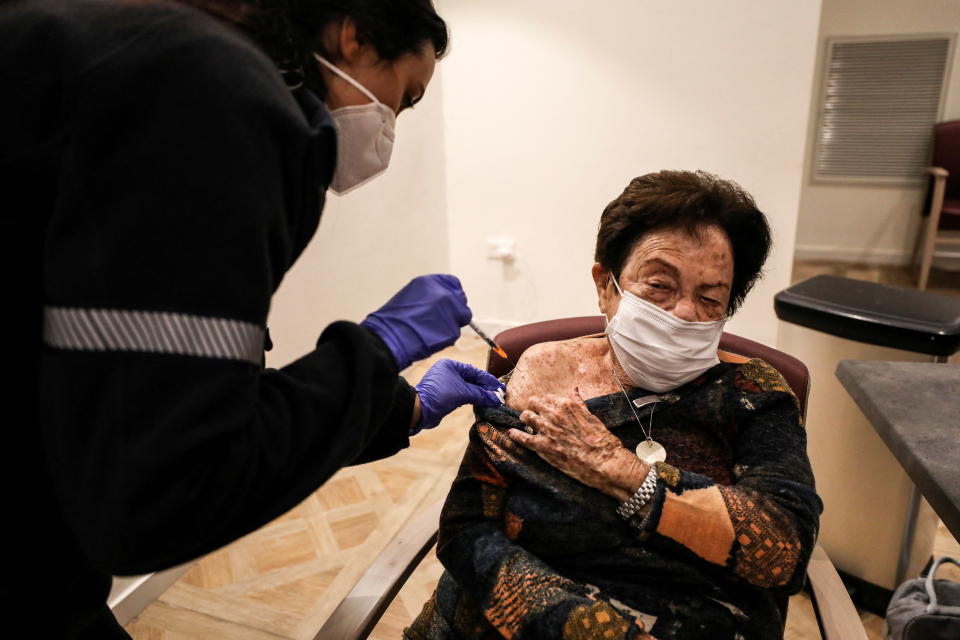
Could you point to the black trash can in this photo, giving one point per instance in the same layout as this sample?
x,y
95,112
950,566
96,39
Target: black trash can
x,y
869,501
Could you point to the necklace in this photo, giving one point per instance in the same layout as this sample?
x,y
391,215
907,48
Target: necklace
x,y
649,450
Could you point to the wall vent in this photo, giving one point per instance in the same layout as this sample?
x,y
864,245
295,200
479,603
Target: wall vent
x,y
879,101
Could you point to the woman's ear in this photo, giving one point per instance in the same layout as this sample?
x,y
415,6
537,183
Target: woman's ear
x,y
341,42
355,50
347,42
607,297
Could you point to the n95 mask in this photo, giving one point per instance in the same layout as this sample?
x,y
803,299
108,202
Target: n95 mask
x,y
364,138
657,350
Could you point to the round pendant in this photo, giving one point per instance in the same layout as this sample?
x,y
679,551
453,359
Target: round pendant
x,y
651,451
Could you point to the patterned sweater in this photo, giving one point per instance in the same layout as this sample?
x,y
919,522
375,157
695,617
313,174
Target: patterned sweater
x,y
532,553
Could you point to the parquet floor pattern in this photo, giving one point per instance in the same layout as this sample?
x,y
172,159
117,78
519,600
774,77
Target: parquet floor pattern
x,y
284,580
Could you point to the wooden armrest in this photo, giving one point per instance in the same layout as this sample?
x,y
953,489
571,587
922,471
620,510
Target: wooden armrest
x,y
936,199
837,616
358,613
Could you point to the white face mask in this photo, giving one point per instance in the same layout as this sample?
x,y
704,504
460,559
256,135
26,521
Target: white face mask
x,y
364,138
657,350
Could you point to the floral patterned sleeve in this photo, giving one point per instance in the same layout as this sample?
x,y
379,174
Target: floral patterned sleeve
x,y
763,526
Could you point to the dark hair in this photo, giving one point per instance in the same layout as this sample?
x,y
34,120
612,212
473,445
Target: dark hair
x,y
392,27
691,201
290,31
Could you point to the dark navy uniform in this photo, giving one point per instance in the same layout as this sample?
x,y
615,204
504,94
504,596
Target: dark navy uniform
x,y
158,179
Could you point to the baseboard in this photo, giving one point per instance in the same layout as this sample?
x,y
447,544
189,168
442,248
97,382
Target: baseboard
x,y
942,258
130,596
851,254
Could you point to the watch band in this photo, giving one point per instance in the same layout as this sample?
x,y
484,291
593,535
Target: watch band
x,y
643,495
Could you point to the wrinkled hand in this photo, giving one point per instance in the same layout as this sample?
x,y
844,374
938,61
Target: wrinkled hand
x,y
422,318
573,440
449,384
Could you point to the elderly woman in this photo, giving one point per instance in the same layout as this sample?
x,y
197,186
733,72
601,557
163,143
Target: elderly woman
x,y
637,483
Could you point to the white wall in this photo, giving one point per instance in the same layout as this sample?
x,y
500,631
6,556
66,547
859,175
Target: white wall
x,y
370,241
539,116
552,107
862,223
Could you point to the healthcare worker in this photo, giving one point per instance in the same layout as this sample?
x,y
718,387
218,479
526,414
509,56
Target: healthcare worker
x,y
162,166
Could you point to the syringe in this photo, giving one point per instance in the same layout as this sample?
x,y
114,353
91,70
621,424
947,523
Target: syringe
x,y
493,345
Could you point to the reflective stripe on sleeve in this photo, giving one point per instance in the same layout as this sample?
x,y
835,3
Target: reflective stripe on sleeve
x,y
153,332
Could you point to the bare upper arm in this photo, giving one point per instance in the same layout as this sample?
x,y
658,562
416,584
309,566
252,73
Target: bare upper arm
x,y
539,371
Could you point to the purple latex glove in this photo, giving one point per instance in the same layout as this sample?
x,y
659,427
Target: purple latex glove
x,y
450,384
422,318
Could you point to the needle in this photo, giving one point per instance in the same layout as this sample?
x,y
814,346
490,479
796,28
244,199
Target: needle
x,y
493,345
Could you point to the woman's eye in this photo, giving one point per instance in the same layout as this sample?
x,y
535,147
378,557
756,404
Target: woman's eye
x,y
710,301
406,103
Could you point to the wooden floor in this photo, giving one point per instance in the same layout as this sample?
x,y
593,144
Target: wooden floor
x,y
283,580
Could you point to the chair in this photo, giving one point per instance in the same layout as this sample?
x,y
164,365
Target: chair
x,y
942,206
358,613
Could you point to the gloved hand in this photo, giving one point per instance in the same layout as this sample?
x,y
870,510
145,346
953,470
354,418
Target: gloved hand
x,y
422,318
450,384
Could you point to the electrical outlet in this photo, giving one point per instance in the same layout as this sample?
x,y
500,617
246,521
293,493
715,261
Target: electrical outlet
x,y
504,249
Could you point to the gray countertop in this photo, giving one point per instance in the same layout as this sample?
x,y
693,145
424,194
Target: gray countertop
x,y
915,407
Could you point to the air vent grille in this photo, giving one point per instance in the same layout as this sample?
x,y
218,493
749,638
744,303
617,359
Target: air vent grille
x,y
881,99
